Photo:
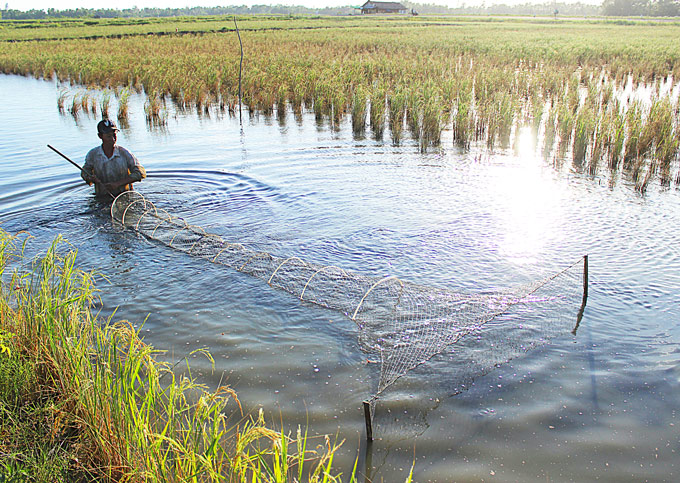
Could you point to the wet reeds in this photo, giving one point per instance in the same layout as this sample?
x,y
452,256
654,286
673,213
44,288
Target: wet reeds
x,y
483,81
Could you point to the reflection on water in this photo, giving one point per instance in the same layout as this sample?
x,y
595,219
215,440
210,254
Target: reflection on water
x,y
600,405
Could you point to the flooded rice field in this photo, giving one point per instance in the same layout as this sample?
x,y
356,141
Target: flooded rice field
x,y
601,404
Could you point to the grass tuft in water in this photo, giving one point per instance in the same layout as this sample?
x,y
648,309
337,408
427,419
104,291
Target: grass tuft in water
x,y
123,101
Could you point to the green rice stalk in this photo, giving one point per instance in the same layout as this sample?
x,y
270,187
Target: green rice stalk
x,y
61,99
396,104
105,104
359,111
430,126
123,100
633,133
583,134
377,111
550,130
76,105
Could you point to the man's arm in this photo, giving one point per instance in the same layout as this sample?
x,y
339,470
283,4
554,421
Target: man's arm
x,y
87,172
136,170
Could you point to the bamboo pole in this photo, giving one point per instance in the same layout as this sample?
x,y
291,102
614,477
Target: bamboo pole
x,y
77,166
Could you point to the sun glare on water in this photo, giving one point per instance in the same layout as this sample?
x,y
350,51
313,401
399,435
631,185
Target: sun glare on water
x,y
528,200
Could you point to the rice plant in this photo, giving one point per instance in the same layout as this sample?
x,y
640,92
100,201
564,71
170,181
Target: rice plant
x,y
123,99
634,123
396,103
377,111
565,127
584,130
61,99
490,80
88,103
105,104
359,111
430,126
153,108
76,105
550,130
112,410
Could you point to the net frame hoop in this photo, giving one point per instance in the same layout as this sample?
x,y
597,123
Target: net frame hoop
x,y
175,220
163,220
114,202
205,235
269,282
229,245
122,218
144,214
315,274
190,229
140,219
379,282
256,255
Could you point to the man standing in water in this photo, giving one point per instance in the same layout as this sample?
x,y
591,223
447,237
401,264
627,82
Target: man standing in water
x,y
111,168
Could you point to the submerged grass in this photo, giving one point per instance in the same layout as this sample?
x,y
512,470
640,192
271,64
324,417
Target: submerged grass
x,y
85,401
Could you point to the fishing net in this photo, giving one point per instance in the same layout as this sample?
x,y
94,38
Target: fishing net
x,y
401,325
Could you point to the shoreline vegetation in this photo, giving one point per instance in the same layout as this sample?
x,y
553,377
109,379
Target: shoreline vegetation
x,y
85,400
596,94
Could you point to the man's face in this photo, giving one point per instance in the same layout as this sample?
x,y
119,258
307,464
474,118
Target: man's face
x,y
108,138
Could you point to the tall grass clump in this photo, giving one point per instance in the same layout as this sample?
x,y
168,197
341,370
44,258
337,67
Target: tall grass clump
x,y
61,99
83,400
565,127
549,129
359,110
634,123
123,101
378,111
397,109
76,105
615,133
584,129
105,104
153,108
431,123
88,103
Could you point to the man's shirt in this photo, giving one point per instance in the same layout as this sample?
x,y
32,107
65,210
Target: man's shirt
x,y
108,170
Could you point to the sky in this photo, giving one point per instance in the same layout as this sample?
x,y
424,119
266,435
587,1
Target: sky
x,y
122,4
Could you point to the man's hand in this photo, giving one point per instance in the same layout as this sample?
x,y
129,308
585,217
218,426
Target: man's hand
x,y
90,178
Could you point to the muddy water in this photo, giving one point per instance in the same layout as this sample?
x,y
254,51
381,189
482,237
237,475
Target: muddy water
x,y
600,405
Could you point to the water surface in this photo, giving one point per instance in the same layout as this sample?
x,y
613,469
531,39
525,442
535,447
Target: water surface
x,y
598,405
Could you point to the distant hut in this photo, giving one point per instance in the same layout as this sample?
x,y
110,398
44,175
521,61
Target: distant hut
x,y
383,7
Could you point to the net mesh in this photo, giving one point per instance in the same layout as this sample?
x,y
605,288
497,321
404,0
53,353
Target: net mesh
x,y
400,324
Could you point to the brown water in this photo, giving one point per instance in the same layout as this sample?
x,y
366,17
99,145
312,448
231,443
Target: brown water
x,y
600,405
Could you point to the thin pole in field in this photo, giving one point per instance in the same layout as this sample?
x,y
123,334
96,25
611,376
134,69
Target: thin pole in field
x,y
240,66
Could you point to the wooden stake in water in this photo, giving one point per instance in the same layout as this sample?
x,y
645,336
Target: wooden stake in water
x,y
369,423
585,277
584,300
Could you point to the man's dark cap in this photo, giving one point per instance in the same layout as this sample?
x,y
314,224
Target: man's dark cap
x,y
106,126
